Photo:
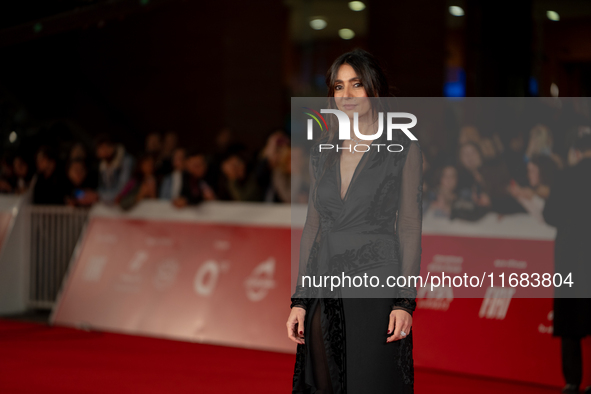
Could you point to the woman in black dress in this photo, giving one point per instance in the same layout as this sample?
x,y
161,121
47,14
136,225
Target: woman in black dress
x,y
364,216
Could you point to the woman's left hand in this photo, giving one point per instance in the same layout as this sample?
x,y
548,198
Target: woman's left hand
x,y
400,321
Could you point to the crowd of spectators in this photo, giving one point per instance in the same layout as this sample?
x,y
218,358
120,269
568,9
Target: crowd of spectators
x,y
167,170
487,176
483,176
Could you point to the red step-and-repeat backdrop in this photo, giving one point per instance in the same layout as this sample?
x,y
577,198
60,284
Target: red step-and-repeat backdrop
x,y
230,284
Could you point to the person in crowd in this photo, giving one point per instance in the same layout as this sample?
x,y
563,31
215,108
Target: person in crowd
x,y
50,183
79,152
225,145
485,184
153,144
194,189
22,175
281,176
240,185
142,184
166,156
473,200
568,209
6,174
115,168
540,143
172,184
267,171
572,154
81,189
489,148
299,179
540,172
153,147
16,177
442,197
268,178
515,159
431,166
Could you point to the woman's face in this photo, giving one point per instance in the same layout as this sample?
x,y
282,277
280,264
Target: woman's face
x,y
77,173
43,163
197,166
178,159
234,168
470,158
449,179
20,167
349,93
533,174
540,139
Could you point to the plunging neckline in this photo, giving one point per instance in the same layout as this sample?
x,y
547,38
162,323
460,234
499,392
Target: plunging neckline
x,y
340,178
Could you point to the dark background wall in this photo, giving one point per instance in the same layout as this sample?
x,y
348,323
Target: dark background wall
x,y
73,69
410,38
191,67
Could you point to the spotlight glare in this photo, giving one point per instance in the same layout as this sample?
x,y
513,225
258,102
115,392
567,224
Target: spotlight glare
x,y
553,16
12,137
318,23
357,5
346,34
456,11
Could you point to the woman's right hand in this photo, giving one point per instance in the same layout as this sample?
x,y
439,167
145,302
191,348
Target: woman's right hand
x,y
295,325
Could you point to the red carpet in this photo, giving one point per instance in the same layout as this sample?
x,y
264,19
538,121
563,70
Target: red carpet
x,y
36,358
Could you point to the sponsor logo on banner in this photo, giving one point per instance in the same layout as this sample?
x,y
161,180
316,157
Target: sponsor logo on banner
x,y
260,281
166,274
139,258
94,268
207,276
444,263
549,328
438,298
511,263
130,280
495,303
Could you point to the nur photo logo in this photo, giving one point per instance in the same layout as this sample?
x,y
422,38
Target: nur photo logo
x,y
344,132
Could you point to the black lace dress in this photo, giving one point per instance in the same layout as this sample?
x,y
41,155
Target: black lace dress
x,y
374,229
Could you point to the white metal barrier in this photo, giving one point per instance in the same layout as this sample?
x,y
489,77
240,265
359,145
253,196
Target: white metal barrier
x,y
13,269
54,232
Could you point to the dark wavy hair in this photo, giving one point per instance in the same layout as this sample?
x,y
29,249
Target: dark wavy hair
x,y
372,77
368,69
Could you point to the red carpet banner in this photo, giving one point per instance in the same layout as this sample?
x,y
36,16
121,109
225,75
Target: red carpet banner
x,y
229,284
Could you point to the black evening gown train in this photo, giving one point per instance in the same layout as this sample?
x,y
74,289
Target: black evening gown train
x,y
374,229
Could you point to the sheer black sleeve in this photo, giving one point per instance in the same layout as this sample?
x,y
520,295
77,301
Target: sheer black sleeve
x,y
301,297
409,226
